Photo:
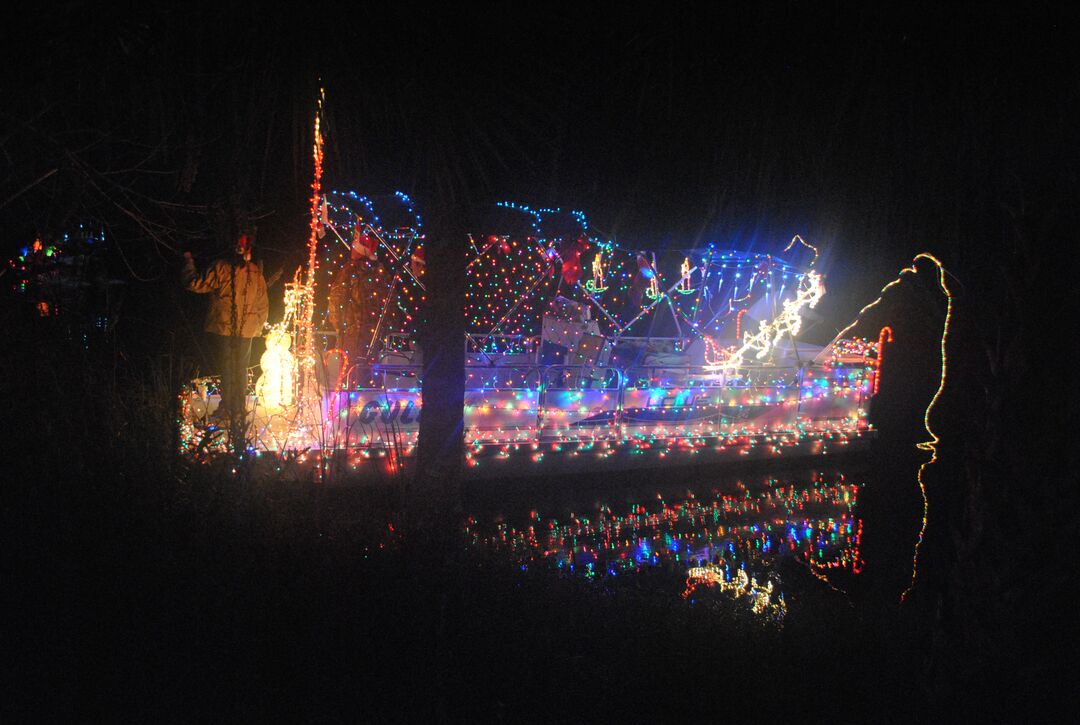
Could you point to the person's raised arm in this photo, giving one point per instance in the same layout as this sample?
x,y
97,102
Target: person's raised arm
x,y
207,281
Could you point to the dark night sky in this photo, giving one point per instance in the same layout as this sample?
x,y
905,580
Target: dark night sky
x,y
874,134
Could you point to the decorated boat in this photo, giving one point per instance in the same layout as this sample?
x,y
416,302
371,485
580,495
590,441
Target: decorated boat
x,y
646,359
580,352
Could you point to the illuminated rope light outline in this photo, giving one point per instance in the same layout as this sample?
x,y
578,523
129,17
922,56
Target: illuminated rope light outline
x,y
684,287
653,292
712,350
740,584
306,321
800,240
929,445
738,322
788,322
596,284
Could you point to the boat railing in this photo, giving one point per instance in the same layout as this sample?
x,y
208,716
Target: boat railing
x,y
529,376
382,376
508,404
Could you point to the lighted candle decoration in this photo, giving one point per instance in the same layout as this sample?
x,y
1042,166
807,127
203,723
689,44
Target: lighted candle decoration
x,y
685,287
596,284
730,541
653,292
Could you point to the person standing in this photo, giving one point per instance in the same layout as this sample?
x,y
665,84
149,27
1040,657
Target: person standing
x,y
238,309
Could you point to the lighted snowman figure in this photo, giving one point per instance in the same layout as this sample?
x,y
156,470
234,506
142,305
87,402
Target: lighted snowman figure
x,y
278,380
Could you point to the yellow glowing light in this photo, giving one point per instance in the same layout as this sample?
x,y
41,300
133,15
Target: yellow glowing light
x,y
804,243
788,322
596,284
740,584
277,382
684,282
653,292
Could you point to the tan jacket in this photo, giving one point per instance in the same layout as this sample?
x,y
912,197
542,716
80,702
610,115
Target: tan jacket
x,y
250,302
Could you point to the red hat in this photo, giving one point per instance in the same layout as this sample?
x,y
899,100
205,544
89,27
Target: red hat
x,y
243,243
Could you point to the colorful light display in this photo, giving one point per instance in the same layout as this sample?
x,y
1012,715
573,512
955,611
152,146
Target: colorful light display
x,y
544,376
738,586
509,283
66,276
931,444
761,416
596,284
305,317
625,285
685,286
728,541
886,335
276,387
386,283
786,325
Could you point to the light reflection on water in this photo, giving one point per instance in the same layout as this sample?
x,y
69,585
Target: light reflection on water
x,y
729,540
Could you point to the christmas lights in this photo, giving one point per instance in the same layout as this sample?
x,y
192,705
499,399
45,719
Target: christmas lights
x,y
727,541
787,324
886,335
804,243
931,444
596,284
685,287
542,376
276,386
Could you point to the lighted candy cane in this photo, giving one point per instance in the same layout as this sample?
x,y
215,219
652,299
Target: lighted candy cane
x,y
884,336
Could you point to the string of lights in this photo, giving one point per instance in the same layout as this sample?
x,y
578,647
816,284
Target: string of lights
x,y
932,442
726,540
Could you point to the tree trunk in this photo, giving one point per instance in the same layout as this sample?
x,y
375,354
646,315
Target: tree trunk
x,y
434,491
